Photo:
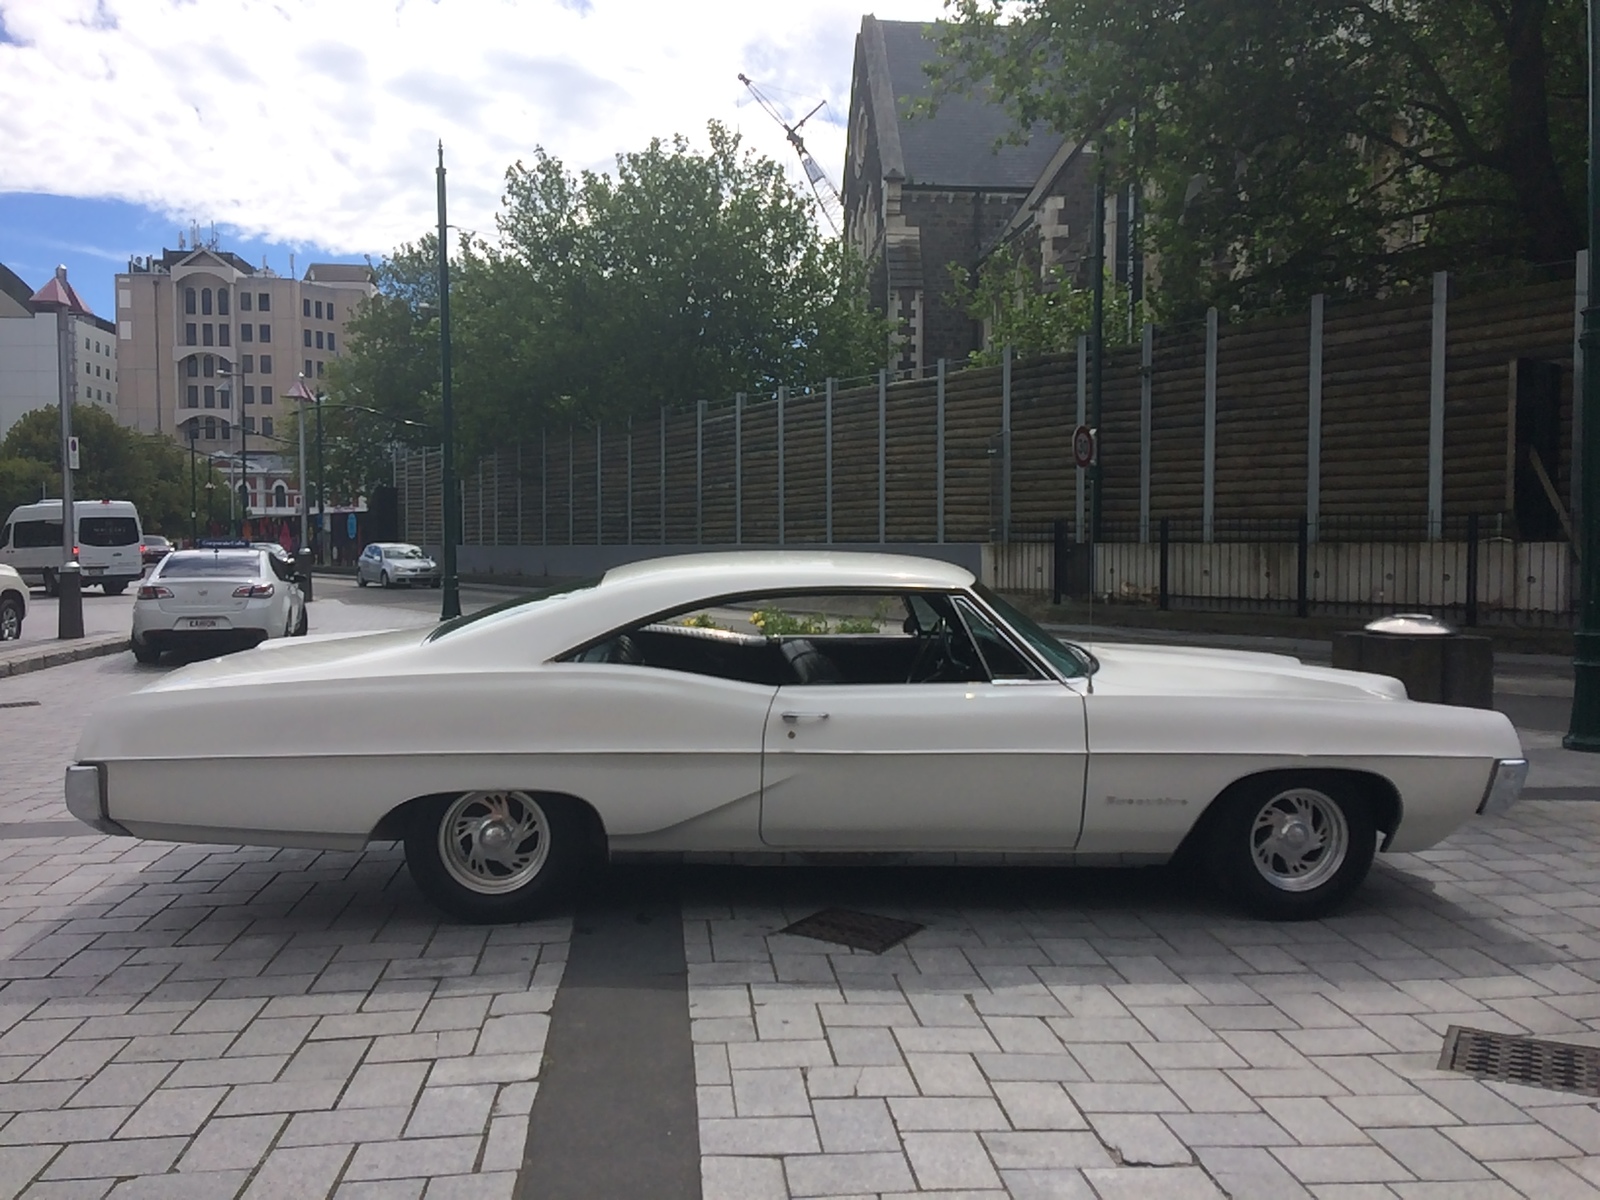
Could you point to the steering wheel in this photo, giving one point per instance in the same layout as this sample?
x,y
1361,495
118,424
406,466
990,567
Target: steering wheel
x,y
935,651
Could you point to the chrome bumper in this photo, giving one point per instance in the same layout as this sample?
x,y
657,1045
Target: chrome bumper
x,y
86,798
1505,785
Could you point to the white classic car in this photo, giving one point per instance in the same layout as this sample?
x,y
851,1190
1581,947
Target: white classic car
x,y
789,701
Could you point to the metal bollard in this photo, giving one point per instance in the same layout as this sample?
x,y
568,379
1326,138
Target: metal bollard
x,y
69,602
302,566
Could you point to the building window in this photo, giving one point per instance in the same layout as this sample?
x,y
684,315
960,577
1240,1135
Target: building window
x,y
319,369
319,310
244,301
85,343
225,396
249,361
319,339
222,335
266,364
330,310
210,367
264,302
211,429
305,308
87,368
191,334
205,302
205,334
211,396
188,301
192,400
247,333
227,432
264,334
330,341
307,371
249,424
191,367
266,431
306,335
266,395
249,393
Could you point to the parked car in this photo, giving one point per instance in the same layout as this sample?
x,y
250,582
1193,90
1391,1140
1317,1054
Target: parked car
x,y
107,540
389,563
155,548
13,603
215,598
793,701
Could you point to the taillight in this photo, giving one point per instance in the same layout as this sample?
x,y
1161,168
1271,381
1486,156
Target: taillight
x,y
253,591
154,591
74,552
141,550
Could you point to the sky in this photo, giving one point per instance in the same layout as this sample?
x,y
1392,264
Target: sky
x,y
310,127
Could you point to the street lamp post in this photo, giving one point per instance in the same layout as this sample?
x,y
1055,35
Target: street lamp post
x,y
244,451
211,488
1584,731
194,527
451,599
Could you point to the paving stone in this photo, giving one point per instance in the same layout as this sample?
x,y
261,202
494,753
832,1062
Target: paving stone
x,y
215,1185
172,1112
852,1126
67,1125
448,1111
485,1185
231,1143
1141,1140
742,1179
759,1135
106,1160
1047,1150
948,1161
770,1093
1429,1155
252,1098
384,1085
937,1113
345,1125
1490,1142
1313,1121
846,1174
1340,1164
418,1157
1134,1183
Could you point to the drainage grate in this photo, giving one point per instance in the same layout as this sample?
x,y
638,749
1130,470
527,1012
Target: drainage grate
x,y
19,704
858,930
1531,1061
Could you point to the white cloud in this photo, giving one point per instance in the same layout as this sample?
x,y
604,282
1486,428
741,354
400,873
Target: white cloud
x,y
316,122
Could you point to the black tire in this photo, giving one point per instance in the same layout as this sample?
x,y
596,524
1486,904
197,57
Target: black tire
x,y
302,626
383,580
1248,855
10,619
361,580
564,852
146,654
114,589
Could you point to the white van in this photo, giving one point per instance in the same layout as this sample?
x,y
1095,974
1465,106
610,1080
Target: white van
x,y
107,533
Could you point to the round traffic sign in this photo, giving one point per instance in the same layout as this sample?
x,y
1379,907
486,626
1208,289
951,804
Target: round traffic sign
x,y
1083,446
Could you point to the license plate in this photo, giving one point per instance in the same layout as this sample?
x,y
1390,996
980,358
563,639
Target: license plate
x,y
94,570
201,623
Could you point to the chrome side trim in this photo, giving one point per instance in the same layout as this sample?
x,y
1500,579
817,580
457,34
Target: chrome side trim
x,y
1505,785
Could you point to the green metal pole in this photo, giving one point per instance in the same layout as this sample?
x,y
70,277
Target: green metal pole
x,y
1097,339
194,519
451,600
1584,732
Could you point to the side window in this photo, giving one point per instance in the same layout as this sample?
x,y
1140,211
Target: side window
x,y
1002,659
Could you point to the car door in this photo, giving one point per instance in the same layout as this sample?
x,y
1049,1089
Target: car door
x,y
982,763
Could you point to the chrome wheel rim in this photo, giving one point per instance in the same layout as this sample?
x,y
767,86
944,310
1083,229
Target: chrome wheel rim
x,y
494,842
1299,839
10,623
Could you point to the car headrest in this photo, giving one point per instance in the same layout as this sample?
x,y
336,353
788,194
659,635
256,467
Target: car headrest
x,y
810,665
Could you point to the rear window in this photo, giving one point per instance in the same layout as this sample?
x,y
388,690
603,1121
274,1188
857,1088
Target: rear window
x,y
32,535
107,531
200,564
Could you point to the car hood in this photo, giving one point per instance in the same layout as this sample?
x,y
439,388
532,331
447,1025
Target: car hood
x,y
1191,670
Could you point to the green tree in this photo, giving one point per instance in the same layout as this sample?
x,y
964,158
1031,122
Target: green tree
x,y
686,275
1004,294
117,463
1287,147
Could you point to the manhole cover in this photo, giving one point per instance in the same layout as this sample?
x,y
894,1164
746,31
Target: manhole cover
x,y
1513,1059
19,704
858,930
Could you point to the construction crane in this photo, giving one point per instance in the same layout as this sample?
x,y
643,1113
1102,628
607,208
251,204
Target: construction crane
x,y
828,199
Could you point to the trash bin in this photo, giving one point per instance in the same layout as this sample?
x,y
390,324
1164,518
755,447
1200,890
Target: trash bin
x,y
1437,664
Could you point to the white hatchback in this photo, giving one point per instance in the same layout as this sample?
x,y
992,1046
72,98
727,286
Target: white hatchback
x,y
220,598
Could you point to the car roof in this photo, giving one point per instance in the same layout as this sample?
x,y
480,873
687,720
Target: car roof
x,y
730,571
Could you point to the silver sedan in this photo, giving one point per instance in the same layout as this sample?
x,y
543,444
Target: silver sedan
x,y
391,563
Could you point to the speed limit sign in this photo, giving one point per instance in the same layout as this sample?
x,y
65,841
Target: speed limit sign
x,y
1084,446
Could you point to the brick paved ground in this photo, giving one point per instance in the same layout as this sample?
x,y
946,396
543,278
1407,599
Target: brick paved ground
x,y
192,1021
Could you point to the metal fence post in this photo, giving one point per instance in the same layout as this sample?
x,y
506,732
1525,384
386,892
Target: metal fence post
x,y
738,469
1208,499
1005,446
827,461
1314,419
630,481
939,456
1147,344
883,449
1083,419
544,489
1166,544
1472,569
572,490
1441,300
1059,570
662,475
519,492
783,395
599,490
1303,568
700,473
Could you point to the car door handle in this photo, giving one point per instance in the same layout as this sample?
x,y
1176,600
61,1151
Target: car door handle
x,y
795,717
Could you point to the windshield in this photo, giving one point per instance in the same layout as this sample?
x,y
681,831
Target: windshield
x,y
1037,636
213,564
402,552
514,605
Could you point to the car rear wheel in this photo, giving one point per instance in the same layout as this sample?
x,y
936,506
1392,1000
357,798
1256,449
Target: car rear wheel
x,y
114,589
145,653
1293,848
10,619
495,856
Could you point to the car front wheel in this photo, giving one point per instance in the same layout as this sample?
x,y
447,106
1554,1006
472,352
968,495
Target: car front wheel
x,y
383,579
495,856
10,619
1293,848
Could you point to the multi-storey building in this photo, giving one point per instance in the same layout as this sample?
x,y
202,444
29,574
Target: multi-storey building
x,y
209,346
30,350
